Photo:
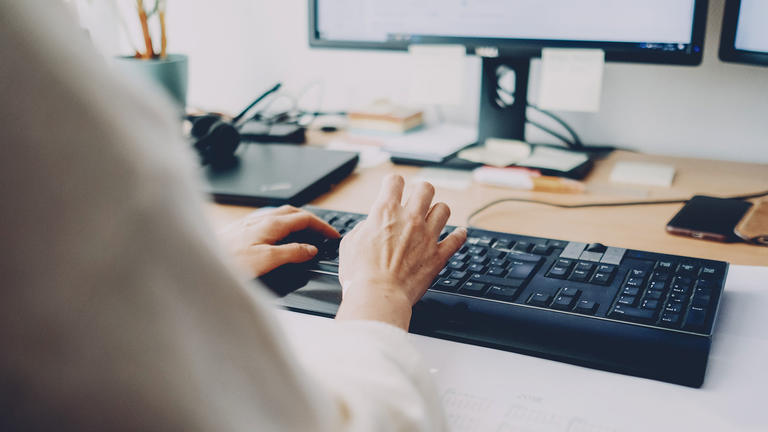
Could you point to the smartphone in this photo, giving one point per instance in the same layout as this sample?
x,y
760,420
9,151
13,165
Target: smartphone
x,y
709,218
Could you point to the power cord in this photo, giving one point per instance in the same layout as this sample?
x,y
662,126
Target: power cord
x,y
605,204
576,141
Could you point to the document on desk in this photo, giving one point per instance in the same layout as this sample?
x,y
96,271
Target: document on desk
x,y
484,389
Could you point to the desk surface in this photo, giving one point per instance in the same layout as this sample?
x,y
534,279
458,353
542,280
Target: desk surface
x,y
637,227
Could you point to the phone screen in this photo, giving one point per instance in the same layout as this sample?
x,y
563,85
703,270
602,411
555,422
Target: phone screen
x,y
709,218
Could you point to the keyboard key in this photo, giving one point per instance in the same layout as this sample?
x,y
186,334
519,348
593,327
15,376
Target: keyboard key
x,y
478,259
493,280
678,298
562,262
605,268
579,276
696,319
502,293
601,278
681,288
558,272
670,319
522,246
445,284
521,256
459,275
496,271
472,288
654,295
687,269
632,314
635,282
665,266
570,291
587,267
586,307
541,249
631,290
660,276
673,307
638,273
520,270
563,302
443,272
460,257
457,265
476,250
540,299
499,262
657,286
476,268
503,244
650,304
627,300
558,244
493,254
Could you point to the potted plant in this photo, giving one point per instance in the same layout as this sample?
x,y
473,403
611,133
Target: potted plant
x,y
153,61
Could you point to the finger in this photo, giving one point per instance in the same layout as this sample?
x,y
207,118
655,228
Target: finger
x,y
258,215
290,253
451,243
284,210
391,192
419,201
437,217
304,220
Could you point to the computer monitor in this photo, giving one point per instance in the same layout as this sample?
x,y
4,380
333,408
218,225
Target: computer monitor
x,y
745,32
508,33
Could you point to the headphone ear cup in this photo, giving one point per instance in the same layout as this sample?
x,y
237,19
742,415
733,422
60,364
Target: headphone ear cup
x,y
202,125
219,145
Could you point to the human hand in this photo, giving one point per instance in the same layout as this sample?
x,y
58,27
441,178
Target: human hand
x,y
252,239
388,261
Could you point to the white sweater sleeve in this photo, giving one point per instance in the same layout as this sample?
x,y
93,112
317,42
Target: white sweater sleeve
x,y
117,310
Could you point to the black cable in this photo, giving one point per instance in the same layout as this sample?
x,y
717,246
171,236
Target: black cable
x,y
577,144
557,135
605,204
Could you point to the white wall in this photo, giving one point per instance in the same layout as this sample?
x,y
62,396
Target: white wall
x,y
238,48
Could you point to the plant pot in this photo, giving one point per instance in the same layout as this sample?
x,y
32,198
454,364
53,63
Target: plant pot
x,y
171,73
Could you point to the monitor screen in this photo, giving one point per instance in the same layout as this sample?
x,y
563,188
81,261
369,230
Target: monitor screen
x,y
647,30
752,27
745,32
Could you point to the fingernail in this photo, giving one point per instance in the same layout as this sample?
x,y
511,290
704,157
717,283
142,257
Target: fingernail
x,y
311,250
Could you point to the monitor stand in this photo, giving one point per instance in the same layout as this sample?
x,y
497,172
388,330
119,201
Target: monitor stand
x,y
503,98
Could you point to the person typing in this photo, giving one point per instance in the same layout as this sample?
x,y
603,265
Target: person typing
x,y
121,310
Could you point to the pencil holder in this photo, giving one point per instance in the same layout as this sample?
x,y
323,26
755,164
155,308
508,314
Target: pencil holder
x,y
171,73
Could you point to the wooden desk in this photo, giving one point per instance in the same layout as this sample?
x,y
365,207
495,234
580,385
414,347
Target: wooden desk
x,y
638,227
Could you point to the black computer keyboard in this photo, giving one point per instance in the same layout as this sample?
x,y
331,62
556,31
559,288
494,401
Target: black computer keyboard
x,y
634,312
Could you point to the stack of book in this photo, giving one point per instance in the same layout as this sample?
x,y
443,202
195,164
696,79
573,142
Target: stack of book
x,y
385,117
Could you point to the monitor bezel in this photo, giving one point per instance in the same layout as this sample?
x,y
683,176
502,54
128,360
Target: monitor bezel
x,y
728,51
524,48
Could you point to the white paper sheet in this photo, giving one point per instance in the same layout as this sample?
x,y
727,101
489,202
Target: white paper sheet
x,y
571,79
490,390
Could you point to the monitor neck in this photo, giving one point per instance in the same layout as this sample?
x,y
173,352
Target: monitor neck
x,y
503,98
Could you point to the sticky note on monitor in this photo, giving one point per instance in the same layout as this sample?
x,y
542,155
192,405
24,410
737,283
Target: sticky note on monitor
x,y
571,79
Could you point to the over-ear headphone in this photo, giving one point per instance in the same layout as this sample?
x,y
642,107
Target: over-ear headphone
x,y
217,139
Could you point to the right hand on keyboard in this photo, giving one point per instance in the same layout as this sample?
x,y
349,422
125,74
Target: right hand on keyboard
x,y
389,260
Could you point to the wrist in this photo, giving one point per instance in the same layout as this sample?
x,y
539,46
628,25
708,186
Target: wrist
x,y
375,301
